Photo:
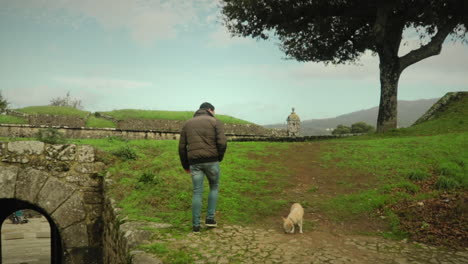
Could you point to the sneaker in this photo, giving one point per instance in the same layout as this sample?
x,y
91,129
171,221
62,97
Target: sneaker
x,y
196,229
211,223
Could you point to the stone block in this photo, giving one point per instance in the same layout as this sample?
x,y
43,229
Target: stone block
x,y
85,153
70,212
2,147
8,176
29,182
141,257
12,236
53,194
83,180
43,235
90,168
75,236
92,197
61,152
26,147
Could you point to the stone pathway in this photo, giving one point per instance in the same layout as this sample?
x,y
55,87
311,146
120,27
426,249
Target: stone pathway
x,y
27,243
236,244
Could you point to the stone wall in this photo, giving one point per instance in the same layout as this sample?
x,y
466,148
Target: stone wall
x,y
441,105
176,126
63,182
28,131
56,120
150,124
122,237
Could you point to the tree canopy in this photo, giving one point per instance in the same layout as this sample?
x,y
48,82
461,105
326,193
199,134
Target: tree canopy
x,y
340,31
3,103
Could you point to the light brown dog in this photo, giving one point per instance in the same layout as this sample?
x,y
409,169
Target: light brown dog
x,y
295,217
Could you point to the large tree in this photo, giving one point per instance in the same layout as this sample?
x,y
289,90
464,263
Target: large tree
x,y
340,31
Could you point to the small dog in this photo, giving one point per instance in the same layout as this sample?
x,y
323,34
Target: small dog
x,y
295,217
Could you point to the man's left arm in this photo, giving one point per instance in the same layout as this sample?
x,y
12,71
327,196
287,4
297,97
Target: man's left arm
x,y
221,141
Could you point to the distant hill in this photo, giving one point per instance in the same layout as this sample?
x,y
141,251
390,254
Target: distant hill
x,y
408,113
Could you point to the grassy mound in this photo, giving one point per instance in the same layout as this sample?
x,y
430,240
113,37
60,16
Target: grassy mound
x,y
53,110
6,119
125,114
421,174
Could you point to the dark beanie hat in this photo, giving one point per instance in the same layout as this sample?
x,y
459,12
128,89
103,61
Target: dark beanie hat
x,y
207,105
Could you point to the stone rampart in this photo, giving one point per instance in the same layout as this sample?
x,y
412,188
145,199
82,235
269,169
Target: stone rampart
x,y
28,131
57,120
63,182
441,105
150,124
122,237
176,126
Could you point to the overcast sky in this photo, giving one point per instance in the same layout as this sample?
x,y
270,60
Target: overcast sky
x,y
174,55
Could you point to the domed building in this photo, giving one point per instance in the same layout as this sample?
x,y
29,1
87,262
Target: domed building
x,y
294,124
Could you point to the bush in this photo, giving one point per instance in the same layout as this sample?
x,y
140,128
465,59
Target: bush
x,y
361,128
3,104
126,153
67,101
447,183
341,129
449,169
356,128
418,175
51,136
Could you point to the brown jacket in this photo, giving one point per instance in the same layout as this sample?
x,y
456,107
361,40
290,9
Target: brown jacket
x,y
202,140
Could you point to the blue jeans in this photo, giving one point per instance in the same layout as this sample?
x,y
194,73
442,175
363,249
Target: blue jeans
x,y
199,171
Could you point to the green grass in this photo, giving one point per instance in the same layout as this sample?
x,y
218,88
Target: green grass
x,y
125,114
400,161
154,187
53,110
96,122
6,119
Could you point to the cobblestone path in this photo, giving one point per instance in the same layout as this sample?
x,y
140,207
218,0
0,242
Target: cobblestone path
x,y
236,244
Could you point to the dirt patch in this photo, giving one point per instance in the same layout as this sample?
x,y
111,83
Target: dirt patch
x,y
438,221
311,182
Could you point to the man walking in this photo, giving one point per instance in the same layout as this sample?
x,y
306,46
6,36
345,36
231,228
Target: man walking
x,y
202,146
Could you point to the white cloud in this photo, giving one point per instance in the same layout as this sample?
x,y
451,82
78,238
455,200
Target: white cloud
x,y
101,83
366,68
220,37
146,21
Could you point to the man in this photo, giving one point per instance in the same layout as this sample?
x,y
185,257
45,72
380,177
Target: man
x,y
201,148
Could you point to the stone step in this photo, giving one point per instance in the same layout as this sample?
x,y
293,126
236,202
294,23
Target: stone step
x,y
11,236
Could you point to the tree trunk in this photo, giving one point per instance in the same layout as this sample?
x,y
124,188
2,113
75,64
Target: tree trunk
x,y
389,76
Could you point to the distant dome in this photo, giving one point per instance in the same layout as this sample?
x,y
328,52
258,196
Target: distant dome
x,y
293,116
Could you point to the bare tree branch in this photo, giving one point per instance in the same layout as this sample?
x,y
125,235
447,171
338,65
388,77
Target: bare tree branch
x,y
430,49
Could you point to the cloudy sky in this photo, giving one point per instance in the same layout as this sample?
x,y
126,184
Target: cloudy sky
x,y
174,55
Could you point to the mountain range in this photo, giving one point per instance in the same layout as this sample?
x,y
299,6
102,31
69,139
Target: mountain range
x,y
408,113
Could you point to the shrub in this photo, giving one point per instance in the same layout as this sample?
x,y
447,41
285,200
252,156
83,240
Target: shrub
x,y
341,129
418,175
361,128
449,169
3,104
447,183
126,153
149,178
51,136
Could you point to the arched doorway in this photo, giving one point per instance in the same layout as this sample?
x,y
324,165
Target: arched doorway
x,y
43,223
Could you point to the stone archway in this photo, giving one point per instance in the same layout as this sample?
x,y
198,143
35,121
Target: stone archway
x,y
11,205
61,182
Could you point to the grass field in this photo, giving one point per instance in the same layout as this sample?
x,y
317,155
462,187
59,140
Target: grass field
x,y
169,115
151,184
411,164
6,119
53,110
